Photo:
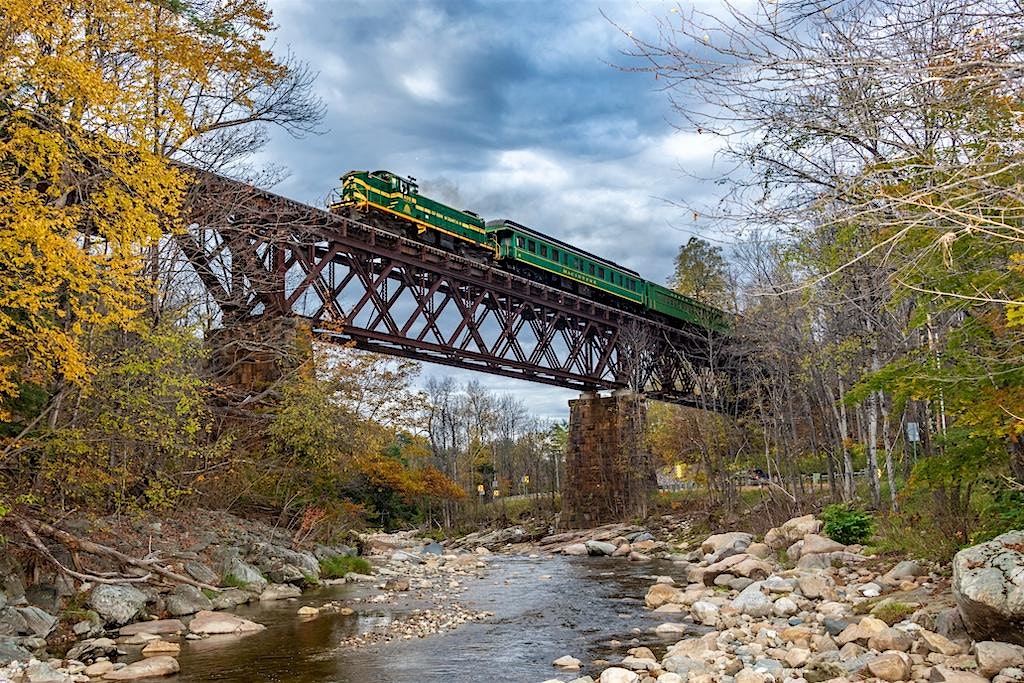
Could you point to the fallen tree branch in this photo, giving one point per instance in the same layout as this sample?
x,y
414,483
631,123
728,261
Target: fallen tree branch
x,y
31,535
100,550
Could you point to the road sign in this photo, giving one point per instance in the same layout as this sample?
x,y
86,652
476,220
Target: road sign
x,y
913,434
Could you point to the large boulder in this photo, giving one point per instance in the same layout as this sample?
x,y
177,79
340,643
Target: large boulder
x,y
659,594
186,599
284,565
145,668
38,622
117,605
993,657
599,548
988,584
753,601
735,540
813,544
158,627
212,623
792,531
243,575
9,652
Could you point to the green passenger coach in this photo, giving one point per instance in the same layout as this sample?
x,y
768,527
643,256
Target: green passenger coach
x,y
520,244
681,307
386,191
516,248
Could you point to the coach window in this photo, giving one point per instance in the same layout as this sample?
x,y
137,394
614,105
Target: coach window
x,y
520,242
554,254
544,250
591,268
531,246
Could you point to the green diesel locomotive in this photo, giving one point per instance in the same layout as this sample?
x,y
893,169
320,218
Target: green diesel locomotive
x,y
517,248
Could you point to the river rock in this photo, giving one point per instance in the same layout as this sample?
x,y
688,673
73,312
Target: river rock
x,y
618,675
988,585
944,674
37,622
116,604
784,607
791,531
599,548
9,652
155,648
939,643
814,544
796,657
186,599
578,549
283,591
97,669
892,666
752,601
201,573
275,559
568,662
891,639
735,540
862,630
705,612
210,623
994,656
42,672
241,574
907,569
158,627
145,668
90,648
231,598
659,594
399,584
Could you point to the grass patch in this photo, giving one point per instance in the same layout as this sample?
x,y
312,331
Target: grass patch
x,y
232,581
336,566
893,612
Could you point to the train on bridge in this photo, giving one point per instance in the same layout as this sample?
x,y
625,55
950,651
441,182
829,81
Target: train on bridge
x,y
397,205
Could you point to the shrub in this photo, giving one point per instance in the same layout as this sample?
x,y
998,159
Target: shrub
x,y
336,566
847,525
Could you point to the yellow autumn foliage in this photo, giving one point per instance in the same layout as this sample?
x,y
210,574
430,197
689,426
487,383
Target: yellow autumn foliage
x,y
94,94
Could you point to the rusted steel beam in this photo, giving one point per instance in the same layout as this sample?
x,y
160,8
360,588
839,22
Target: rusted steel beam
x,y
262,255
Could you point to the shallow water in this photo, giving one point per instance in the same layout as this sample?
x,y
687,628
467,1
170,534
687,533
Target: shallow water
x,y
586,603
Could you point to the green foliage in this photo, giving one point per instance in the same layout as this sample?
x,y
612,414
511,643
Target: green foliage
x,y
336,566
700,272
232,581
847,525
139,438
892,612
1001,509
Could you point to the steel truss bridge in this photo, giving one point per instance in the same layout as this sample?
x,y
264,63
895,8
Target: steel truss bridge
x,y
264,256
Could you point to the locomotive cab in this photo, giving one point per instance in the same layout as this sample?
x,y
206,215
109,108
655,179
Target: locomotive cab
x,y
406,185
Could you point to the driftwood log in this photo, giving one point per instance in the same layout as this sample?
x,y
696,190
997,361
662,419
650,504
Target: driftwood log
x,y
73,543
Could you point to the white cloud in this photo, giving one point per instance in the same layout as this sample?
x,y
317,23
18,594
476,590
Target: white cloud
x,y
424,84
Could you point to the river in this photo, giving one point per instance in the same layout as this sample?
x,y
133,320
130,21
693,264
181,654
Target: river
x,y
585,604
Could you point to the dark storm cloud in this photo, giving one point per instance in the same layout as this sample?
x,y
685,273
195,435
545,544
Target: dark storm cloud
x,y
508,108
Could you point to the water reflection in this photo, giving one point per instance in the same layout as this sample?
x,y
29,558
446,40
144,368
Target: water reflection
x,y
585,605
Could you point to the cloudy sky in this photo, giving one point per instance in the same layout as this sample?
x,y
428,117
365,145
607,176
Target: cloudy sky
x,y
509,108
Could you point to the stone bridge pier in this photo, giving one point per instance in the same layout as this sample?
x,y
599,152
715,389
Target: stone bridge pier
x,y
248,358
609,475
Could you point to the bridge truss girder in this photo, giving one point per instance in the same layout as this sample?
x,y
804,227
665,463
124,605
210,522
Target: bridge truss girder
x,y
261,255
